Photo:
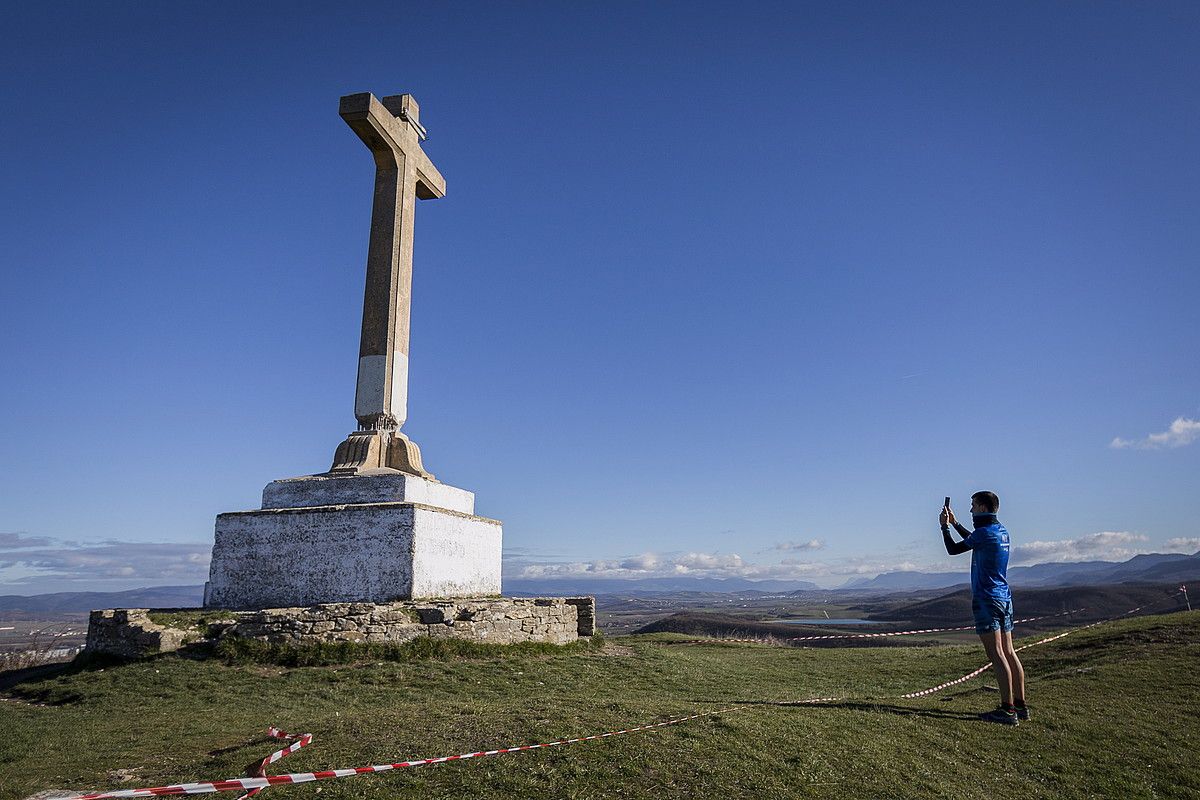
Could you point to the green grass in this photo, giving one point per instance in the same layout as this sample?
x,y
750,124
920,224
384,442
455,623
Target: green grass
x,y
1116,716
198,623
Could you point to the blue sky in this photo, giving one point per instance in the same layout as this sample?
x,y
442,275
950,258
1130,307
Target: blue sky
x,y
709,293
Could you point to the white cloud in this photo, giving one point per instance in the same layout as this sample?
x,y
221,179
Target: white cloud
x,y
1103,546
1181,432
708,565
865,567
646,565
811,544
29,560
646,562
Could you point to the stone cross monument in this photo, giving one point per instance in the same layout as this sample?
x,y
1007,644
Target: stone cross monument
x,y
376,527
391,129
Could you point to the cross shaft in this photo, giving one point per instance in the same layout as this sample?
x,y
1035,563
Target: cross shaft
x,y
391,130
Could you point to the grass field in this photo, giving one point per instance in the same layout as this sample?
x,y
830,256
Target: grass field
x,y
1116,715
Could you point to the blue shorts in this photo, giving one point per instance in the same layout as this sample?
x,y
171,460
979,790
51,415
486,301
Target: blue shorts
x,y
992,614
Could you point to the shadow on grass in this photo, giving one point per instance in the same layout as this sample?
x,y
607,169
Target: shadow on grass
x,y
904,711
235,651
15,680
250,770
23,683
852,705
15,677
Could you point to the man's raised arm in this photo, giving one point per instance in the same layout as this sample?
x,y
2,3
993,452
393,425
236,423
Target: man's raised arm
x,y
952,547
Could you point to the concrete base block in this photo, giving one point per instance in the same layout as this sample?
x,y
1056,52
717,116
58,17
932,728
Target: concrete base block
x,y
378,486
373,552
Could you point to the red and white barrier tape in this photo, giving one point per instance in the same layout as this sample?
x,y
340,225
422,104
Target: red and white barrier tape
x,y
922,630
986,667
256,784
302,740
259,783
770,638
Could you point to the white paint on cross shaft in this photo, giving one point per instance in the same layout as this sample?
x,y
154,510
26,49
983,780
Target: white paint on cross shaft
x,y
372,380
372,387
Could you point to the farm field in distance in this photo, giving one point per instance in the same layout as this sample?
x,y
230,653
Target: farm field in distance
x,y
42,636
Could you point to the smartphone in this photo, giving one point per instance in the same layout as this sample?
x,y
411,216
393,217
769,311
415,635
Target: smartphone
x,y
947,502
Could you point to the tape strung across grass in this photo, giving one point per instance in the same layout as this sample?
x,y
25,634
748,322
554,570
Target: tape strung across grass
x,y
258,784
768,639
986,667
254,785
302,740
924,630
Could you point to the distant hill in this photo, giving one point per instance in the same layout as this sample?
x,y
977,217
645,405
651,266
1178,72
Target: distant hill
x,y
950,609
66,602
895,581
1148,568
1095,602
717,625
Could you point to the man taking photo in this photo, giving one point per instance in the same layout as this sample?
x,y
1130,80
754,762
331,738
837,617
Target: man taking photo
x,y
991,601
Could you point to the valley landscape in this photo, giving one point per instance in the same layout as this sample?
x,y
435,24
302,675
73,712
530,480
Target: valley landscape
x,y
1127,685
1127,689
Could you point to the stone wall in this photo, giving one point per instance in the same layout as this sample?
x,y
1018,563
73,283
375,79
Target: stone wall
x,y
129,633
585,612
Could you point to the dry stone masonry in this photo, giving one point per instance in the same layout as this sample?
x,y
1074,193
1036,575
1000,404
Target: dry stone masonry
x,y
502,621
130,632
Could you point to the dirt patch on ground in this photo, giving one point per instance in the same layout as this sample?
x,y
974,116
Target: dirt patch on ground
x,y
123,775
617,650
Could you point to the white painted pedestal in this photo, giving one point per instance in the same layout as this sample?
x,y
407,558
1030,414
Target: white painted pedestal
x,y
365,538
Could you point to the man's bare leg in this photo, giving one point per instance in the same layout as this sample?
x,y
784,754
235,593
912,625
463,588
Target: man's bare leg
x,y
993,645
1015,669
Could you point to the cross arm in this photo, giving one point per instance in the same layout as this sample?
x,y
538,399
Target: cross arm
x,y
387,135
430,183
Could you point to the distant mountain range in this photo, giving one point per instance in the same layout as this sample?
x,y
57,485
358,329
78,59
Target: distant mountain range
x,y
1087,602
1151,568
70,602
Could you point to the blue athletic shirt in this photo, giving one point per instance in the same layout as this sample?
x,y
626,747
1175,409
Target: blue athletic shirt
x,y
989,559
